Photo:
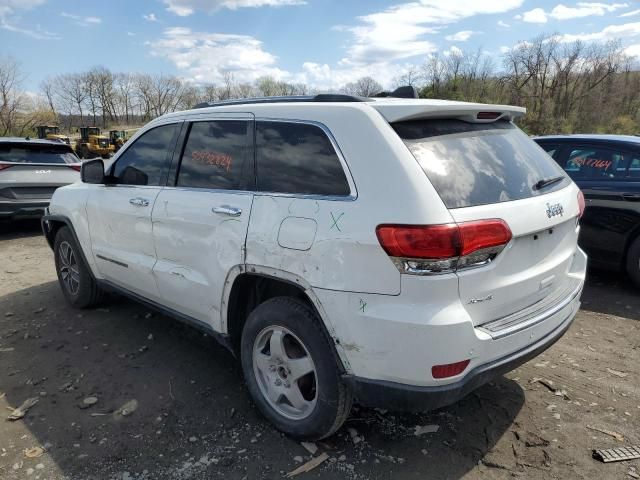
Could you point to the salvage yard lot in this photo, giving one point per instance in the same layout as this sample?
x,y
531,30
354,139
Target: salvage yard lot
x,y
189,416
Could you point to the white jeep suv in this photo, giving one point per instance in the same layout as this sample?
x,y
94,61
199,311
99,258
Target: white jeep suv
x,y
394,252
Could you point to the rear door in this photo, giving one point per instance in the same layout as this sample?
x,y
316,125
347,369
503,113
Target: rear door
x,y
31,172
493,170
609,178
119,213
200,221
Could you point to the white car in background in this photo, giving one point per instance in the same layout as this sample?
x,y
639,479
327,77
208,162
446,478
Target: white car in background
x,y
395,252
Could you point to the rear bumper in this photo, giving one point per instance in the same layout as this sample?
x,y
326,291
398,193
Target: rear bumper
x,y
397,396
22,208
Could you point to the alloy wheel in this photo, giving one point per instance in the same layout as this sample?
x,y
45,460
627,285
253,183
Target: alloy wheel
x,y
285,372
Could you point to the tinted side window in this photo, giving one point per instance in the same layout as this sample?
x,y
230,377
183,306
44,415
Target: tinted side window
x,y
634,166
595,163
552,150
298,158
146,161
217,155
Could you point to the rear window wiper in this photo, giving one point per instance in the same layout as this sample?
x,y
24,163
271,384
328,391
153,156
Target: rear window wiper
x,y
547,182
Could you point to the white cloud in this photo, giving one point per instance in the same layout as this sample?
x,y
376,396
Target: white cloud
x,y
537,15
184,8
80,20
399,31
504,49
205,57
633,50
453,51
131,34
150,17
9,10
9,7
631,13
584,9
612,32
462,36
562,12
503,24
39,33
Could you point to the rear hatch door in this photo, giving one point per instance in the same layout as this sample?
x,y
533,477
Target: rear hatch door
x,y
32,171
490,170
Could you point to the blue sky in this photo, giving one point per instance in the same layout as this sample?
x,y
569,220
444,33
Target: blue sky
x,y
324,43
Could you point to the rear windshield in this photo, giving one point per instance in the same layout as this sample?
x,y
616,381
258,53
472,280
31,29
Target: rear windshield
x,y
479,163
34,153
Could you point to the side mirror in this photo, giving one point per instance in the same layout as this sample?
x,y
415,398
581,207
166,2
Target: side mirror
x,y
92,171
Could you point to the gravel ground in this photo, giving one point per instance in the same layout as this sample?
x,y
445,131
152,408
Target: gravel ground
x,y
171,402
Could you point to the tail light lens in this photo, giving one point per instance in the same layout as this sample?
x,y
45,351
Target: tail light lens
x,y
75,166
4,166
434,249
449,370
581,203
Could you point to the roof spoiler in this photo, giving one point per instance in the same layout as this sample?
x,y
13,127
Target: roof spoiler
x,y
407,91
469,112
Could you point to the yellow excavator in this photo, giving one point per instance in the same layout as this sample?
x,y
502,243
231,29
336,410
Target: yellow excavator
x,y
93,144
51,132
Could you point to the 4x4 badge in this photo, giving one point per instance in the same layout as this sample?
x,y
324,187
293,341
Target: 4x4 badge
x,y
554,210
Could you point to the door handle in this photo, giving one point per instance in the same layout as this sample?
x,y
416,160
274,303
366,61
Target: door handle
x,y
227,210
139,202
631,197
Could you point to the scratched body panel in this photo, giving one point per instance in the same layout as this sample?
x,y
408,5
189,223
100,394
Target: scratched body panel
x,y
190,267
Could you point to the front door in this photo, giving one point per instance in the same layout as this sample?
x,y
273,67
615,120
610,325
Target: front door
x,y
611,199
200,223
119,213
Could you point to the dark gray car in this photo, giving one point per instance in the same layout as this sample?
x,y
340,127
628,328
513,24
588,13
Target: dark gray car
x,y
30,171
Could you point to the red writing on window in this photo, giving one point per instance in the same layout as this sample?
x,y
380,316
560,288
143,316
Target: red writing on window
x,y
212,158
592,162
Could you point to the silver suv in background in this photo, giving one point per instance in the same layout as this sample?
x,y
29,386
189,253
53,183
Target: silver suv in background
x,y
30,171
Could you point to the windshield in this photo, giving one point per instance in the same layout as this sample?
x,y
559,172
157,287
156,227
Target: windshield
x,y
479,163
19,153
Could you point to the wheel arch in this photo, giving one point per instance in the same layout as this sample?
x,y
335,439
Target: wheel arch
x,y
51,224
247,286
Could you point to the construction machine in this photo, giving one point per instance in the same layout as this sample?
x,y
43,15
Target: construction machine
x,y
51,132
93,144
117,138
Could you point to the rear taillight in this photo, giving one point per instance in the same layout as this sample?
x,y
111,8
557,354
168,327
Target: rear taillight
x,y
75,166
434,249
581,204
4,166
449,370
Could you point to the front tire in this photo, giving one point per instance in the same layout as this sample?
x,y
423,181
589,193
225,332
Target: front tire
x,y
292,371
633,262
77,283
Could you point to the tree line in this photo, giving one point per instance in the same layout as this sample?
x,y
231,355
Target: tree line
x,y
566,87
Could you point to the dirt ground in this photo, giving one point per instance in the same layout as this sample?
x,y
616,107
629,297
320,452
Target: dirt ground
x,y
192,417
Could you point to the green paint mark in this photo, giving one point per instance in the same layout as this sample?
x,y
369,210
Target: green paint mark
x,y
335,221
363,305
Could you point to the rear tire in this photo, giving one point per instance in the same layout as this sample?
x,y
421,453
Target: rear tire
x,y
633,262
77,284
292,371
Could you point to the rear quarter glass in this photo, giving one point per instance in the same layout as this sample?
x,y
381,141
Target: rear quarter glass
x,y
473,164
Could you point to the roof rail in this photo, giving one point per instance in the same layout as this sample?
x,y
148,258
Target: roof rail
x,y
322,97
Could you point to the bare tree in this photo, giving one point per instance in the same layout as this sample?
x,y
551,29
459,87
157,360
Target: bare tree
x,y
11,97
364,87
